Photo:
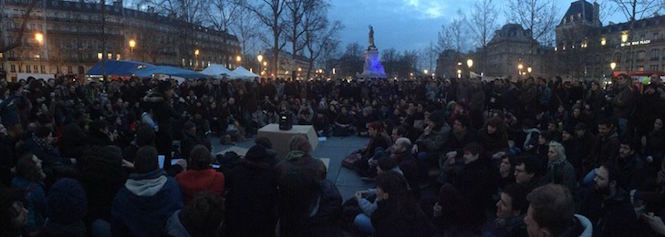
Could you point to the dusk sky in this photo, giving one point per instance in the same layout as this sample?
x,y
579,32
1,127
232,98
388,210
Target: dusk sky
x,y
409,24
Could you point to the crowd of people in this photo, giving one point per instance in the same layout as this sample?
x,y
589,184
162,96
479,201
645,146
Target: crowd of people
x,y
509,157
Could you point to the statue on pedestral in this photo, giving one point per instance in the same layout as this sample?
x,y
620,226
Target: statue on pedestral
x,y
371,36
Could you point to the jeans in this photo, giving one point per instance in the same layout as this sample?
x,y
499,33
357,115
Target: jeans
x,y
363,223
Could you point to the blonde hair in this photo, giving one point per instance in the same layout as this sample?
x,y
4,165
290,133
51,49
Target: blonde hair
x,y
560,150
300,143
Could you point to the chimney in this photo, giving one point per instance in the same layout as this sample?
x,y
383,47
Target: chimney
x,y
596,14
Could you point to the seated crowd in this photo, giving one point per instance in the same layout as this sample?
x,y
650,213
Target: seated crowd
x,y
460,157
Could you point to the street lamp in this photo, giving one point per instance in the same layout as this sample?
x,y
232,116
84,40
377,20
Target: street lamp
x,y
528,69
469,63
425,71
196,57
459,73
519,68
39,37
613,65
260,58
132,44
238,59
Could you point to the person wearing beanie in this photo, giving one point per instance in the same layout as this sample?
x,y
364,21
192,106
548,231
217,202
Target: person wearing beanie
x,y
66,205
251,202
200,177
13,213
146,200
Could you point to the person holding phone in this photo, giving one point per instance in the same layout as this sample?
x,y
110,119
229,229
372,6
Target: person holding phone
x,y
200,177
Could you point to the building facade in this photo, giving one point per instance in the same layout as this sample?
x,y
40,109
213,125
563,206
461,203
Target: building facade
x,y
66,37
513,52
587,49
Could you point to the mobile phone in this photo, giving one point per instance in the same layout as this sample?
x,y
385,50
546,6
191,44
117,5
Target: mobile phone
x,y
215,166
160,159
175,161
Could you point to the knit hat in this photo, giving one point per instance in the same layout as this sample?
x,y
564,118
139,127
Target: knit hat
x,y
256,153
66,202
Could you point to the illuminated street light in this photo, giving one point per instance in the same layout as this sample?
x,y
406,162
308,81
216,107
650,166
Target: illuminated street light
x,y
196,52
528,69
613,65
39,37
425,71
520,66
238,58
132,44
469,63
259,57
265,63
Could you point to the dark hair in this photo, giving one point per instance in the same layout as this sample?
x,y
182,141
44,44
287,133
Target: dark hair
x,y
612,172
145,136
263,141
553,207
203,215
199,157
401,130
189,125
628,140
146,160
399,197
606,121
42,131
474,148
387,163
297,193
464,120
517,193
27,168
530,163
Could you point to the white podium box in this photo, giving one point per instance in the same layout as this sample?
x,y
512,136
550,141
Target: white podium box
x,y
280,138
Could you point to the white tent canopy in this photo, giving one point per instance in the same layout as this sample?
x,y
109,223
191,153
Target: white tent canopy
x,y
243,74
217,71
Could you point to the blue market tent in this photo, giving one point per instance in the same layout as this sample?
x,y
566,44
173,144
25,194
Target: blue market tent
x,y
169,71
117,68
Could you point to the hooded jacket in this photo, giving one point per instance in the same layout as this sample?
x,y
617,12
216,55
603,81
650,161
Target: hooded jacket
x,y
299,160
144,203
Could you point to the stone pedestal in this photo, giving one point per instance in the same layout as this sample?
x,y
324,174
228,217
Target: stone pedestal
x,y
373,67
280,138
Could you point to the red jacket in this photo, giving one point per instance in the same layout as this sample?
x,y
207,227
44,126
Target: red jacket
x,y
194,181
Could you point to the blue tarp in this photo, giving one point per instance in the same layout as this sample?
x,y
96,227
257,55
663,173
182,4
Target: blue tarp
x,y
169,71
117,68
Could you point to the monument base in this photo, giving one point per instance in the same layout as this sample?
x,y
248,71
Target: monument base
x,y
373,69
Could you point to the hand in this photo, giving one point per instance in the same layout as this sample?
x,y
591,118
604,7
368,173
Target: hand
x,y
127,164
182,163
359,195
436,210
655,222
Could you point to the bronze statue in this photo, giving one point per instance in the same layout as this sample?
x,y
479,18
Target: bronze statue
x,y
371,36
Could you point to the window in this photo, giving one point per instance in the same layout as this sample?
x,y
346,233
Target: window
x,y
35,68
654,54
69,69
27,69
12,68
653,68
641,55
43,68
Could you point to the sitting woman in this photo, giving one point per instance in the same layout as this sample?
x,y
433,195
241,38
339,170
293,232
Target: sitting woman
x,y
200,176
343,124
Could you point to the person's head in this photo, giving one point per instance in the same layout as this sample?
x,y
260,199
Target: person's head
x,y
204,215
605,177
375,128
165,88
580,129
605,127
627,147
505,166
146,160
145,136
493,125
658,124
190,128
13,214
402,144
43,132
385,164
263,141
199,158
66,202
392,186
472,152
460,124
399,131
300,143
512,201
544,138
29,167
525,169
551,210
556,151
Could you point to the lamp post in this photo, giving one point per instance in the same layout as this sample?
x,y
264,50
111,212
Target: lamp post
x,y
39,37
519,68
613,65
260,59
238,59
469,63
196,57
528,69
132,44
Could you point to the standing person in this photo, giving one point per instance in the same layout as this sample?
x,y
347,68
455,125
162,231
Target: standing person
x,y
158,103
147,199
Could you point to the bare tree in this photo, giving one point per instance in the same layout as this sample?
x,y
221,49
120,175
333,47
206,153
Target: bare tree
x,y
537,16
5,22
457,31
444,39
638,9
245,27
269,13
296,10
483,21
320,37
221,14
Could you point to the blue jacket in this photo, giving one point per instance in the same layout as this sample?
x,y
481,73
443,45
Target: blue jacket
x,y
35,198
143,205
